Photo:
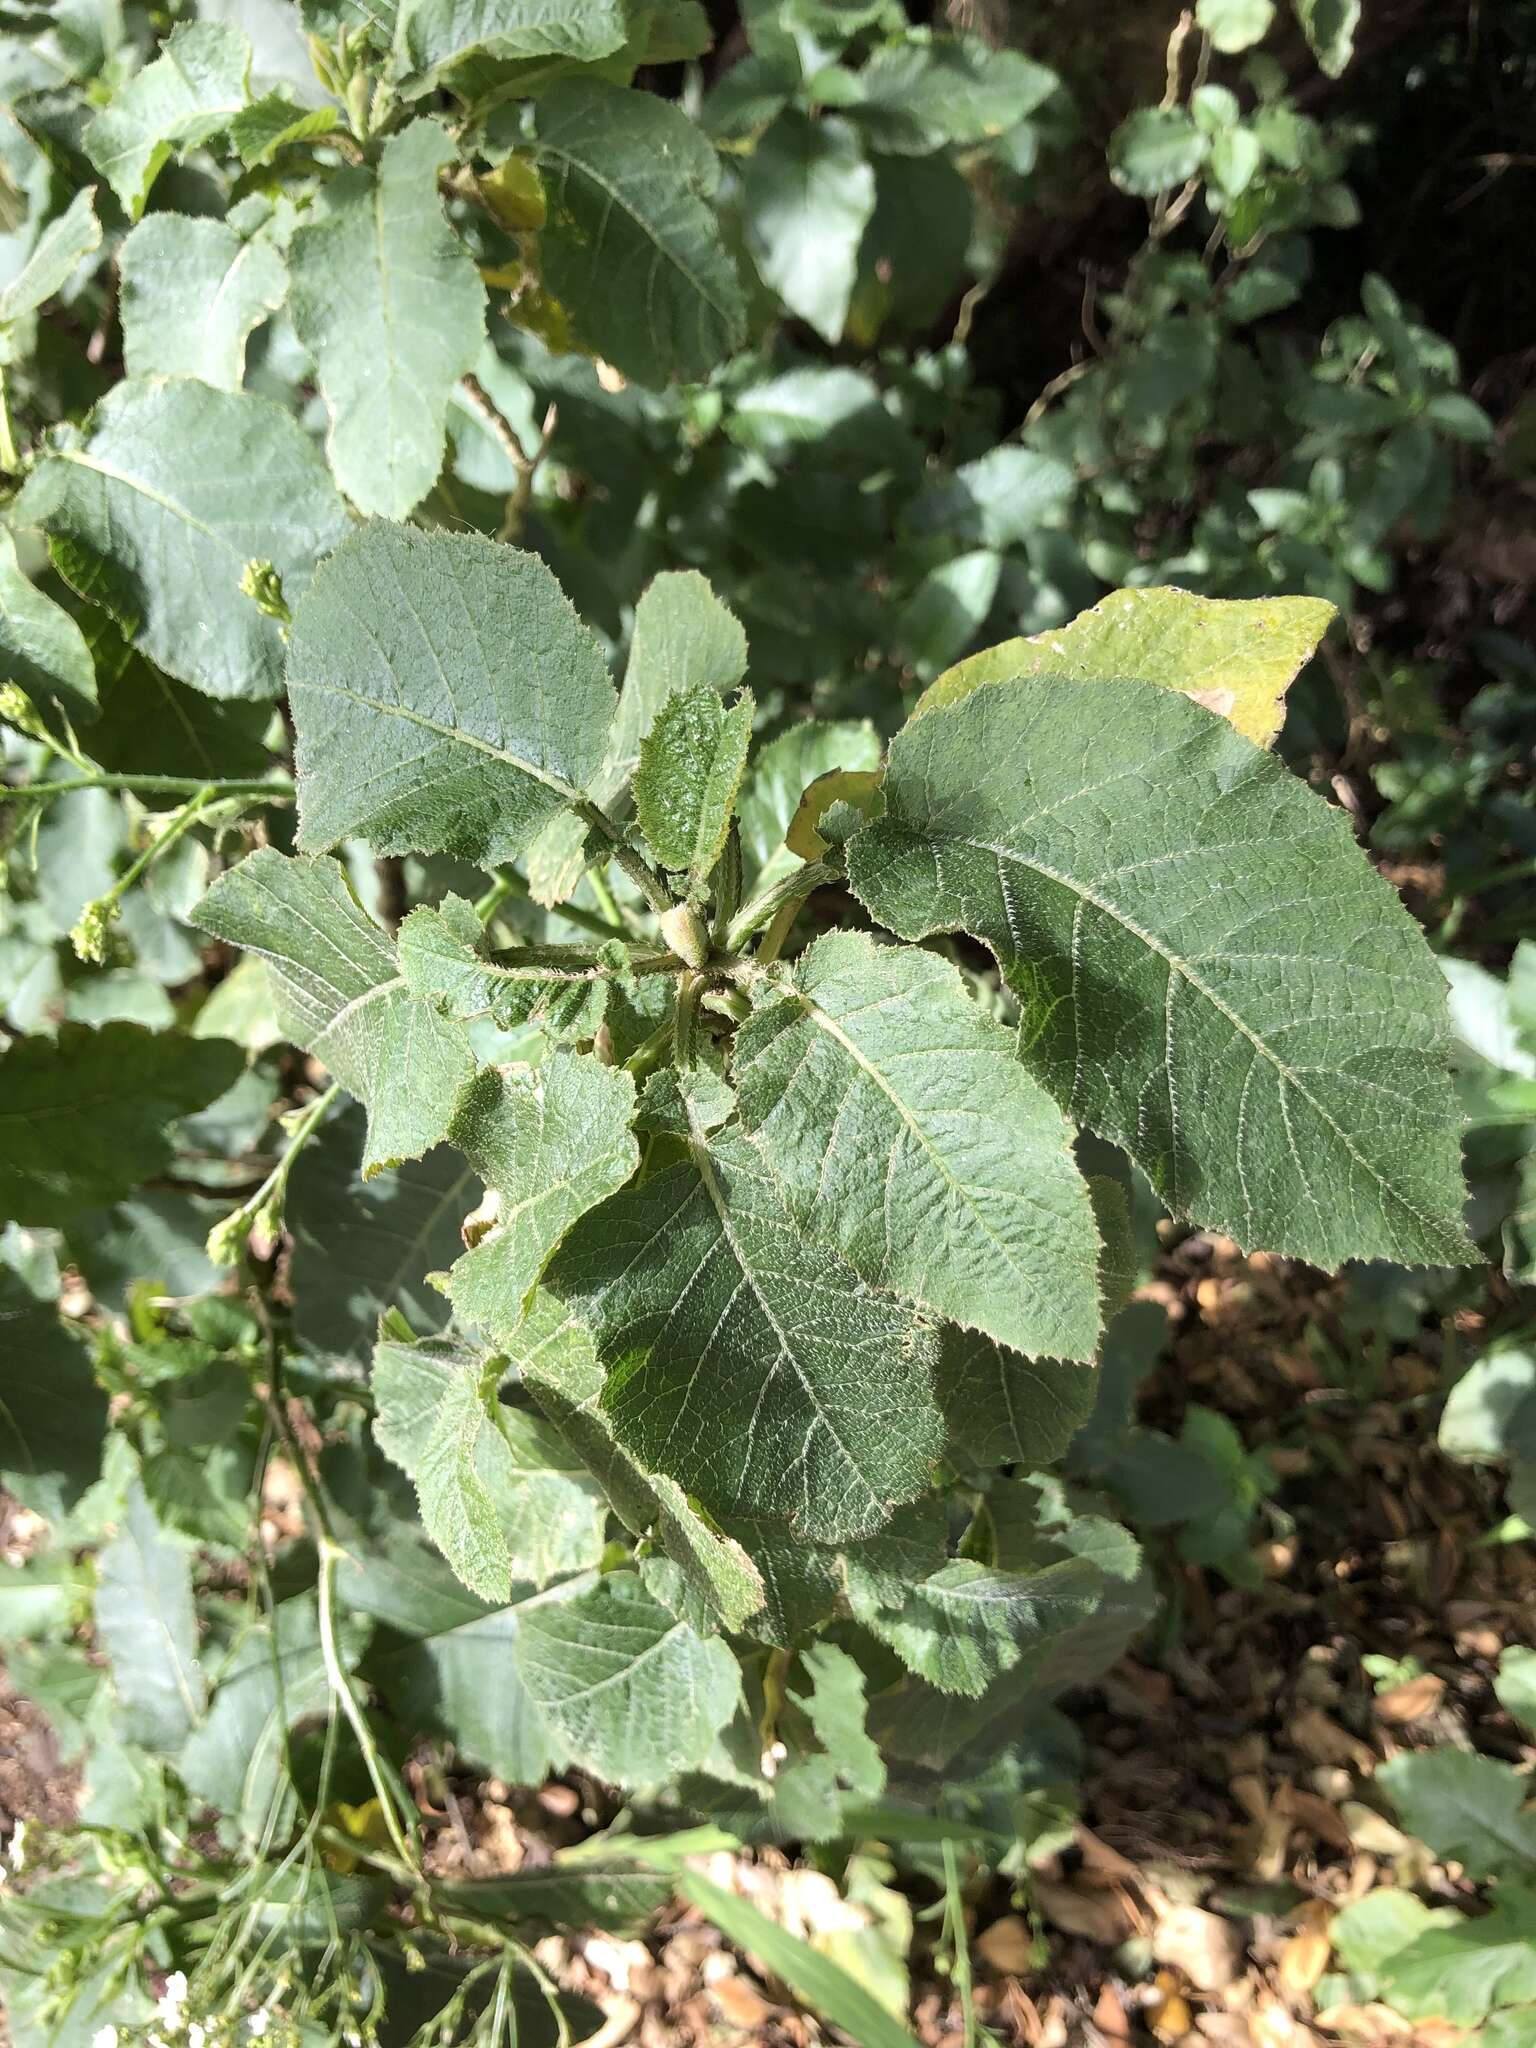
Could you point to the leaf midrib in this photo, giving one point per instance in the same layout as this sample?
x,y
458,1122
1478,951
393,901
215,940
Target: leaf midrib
x,y
1178,965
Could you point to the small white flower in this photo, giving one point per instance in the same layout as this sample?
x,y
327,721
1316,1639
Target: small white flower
x,y
172,1999
104,2037
258,2023
195,2036
19,1845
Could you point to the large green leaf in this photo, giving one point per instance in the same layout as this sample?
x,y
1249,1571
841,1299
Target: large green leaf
x,y
1210,972
1469,1807
191,292
433,34
632,1691
551,1142
147,1625
446,696
965,1624
193,88
42,651
390,346
1238,657
83,1116
633,249
948,92
442,1660
337,991
501,1494
808,196
558,1363
691,764
53,1415
361,1247
1008,1410
157,509
684,639
750,1364
1463,1971
902,1130
149,724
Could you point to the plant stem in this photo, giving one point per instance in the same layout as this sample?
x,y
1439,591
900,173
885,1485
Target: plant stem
x,y
777,906
168,785
229,1237
511,885
635,865
89,933
341,1686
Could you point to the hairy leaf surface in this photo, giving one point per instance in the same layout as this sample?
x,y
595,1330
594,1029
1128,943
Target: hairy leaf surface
x,y
338,992
155,512
747,1362
552,1141
447,697
1210,972
633,1692
632,249
193,88
691,765
965,1625
42,650
902,1130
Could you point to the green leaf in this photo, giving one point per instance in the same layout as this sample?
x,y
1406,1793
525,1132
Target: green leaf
x,y
615,1898
191,293
53,1415
1515,1685
817,1981
1007,1410
433,34
1156,149
83,1116
751,1365
392,345
502,1495
1235,25
1463,1972
633,250
42,651
691,765
551,1141
271,123
147,1625
632,1691
363,1246
446,960
1210,972
558,1363
952,92
965,1625
780,775
1467,1807
808,195
58,253
472,709
835,1708
443,1661
994,502
275,1679
902,1131
684,640
191,91
1329,27
156,511
1490,1413
337,991
1237,657
147,724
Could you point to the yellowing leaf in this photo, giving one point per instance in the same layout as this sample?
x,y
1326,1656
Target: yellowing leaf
x,y
1237,657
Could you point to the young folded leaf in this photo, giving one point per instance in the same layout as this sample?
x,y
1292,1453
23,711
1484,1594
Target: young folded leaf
x,y
1211,973
901,1130
691,765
